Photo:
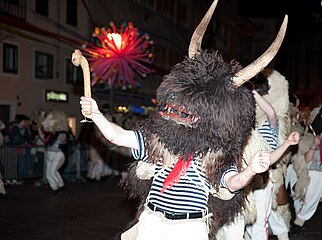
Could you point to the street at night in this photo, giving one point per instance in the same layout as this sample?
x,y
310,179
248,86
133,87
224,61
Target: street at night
x,y
82,211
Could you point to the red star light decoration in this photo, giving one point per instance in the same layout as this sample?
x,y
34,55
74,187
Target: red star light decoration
x,y
119,57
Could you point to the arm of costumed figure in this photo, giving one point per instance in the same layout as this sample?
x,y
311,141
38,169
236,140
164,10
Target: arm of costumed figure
x,y
112,132
292,139
267,109
100,121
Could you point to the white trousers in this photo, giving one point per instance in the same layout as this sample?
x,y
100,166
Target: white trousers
x,y
235,230
265,216
277,224
312,198
54,161
290,178
152,225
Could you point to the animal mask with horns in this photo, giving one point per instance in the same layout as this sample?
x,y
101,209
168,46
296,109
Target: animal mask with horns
x,y
202,106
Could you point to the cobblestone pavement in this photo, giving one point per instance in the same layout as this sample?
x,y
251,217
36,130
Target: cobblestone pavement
x,y
83,210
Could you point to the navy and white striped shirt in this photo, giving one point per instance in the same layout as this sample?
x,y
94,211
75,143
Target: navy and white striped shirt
x,y
269,134
189,194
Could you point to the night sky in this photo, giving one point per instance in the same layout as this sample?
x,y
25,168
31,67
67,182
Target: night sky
x,y
276,8
304,16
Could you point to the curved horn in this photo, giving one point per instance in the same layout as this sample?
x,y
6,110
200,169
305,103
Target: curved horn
x,y
196,39
297,102
260,63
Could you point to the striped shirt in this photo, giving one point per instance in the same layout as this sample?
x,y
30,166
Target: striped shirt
x,y
269,134
189,194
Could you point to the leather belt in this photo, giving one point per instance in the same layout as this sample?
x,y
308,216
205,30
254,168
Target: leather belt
x,y
176,216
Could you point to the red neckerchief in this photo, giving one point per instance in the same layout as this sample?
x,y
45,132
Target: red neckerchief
x,y
178,170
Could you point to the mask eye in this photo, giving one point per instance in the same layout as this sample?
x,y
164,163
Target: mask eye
x,y
173,97
174,111
184,115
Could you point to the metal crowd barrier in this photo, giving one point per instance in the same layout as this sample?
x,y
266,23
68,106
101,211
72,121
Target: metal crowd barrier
x,y
29,162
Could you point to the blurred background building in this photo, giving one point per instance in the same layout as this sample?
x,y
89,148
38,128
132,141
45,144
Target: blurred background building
x,y
37,39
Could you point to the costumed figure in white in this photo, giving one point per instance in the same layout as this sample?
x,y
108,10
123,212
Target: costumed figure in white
x,y
273,124
278,86
56,122
299,121
307,188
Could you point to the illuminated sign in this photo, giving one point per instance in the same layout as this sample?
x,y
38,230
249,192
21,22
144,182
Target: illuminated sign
x,y
136,109
54,96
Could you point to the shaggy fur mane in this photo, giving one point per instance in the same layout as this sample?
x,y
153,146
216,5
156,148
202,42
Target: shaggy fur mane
x,y
56,121
203,85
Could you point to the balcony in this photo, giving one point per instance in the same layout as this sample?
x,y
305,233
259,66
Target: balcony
x,y
13,8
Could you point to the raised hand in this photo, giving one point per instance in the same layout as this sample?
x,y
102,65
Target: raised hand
x,y
293,138
260,162
88,107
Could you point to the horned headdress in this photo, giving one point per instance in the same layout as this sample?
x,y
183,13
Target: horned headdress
x,y
252,69
203,102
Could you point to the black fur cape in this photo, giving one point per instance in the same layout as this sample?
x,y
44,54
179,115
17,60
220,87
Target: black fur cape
x,y
202,86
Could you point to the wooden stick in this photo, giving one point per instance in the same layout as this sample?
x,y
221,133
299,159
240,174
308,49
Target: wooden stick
x,y
79,59
310,126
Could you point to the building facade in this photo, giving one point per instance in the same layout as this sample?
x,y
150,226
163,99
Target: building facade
x,y
37,39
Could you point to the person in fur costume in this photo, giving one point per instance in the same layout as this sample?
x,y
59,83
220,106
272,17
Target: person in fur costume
x,y
56,123
274,126
190,149
273,87
297,124
307,165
